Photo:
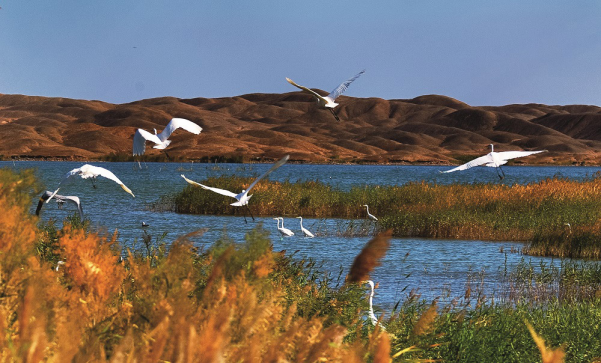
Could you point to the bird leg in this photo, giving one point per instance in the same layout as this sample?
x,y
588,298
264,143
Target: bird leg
x,y
251,213
501,177
335,115
94,183
167,155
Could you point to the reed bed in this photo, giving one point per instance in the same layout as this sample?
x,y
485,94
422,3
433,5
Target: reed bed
x,y
239,301
462,211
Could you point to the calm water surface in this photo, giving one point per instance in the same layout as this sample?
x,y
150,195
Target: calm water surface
x,y
436,268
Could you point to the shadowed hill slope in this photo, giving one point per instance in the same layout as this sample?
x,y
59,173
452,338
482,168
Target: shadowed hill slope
x,y
426,129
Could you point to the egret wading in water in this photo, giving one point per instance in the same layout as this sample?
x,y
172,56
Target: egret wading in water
x,y
306,232
369,215
494,160
285,232
60,199
88,171
372,316
161,140
328,101
243,197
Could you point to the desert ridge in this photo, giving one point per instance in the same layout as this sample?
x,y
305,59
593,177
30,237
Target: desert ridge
x,y
430,129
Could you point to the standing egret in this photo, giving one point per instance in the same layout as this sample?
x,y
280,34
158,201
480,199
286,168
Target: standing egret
x,y
494,160
369,215
372,316
306,232
59,199
161,140
328,101
88,171
243,197
283,231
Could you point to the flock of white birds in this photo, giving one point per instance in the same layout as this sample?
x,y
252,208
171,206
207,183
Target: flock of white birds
x,y
161,141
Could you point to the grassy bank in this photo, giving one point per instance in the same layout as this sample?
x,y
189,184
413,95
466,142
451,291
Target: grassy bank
x,y
240,301
466,211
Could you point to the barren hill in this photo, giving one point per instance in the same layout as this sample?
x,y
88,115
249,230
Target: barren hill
x,y
426,129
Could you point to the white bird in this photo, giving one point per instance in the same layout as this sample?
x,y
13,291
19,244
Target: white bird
x,y
243,197
494,160
161,140
59,199
328,101
306,232
88,171
58,265
369,215
372,316
284,231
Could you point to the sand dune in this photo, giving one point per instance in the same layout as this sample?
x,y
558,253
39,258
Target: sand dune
x,y
425,129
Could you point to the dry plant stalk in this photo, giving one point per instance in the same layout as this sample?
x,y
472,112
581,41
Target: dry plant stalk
x,y
369,257
548,355
424,323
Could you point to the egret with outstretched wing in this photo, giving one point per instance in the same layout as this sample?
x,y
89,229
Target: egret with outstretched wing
x,y
88,171
243,197
59,199
161,140
328,101
494,160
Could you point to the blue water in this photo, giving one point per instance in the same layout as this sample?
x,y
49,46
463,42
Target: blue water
x,y
432,268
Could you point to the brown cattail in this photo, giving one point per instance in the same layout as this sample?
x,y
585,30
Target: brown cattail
x,y
369,257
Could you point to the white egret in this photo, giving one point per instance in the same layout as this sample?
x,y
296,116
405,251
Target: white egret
x,y
369,215
306,232
328,101
243,197
60,199
372,316
58,265
494,160
283,231
88,171
161,140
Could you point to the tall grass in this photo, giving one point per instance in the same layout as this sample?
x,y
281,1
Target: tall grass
x,y
464,211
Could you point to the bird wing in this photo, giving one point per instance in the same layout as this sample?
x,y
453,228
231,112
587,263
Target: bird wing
x,y
43,198
177,123
216,190
98,171
73,199
304,88
470,164
343,86
140,138
280,162
507,155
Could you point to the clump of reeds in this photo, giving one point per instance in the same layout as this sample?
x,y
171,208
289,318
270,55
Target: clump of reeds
x,y
464,211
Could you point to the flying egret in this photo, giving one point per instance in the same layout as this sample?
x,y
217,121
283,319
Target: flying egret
x,y
59,199
369,215
161,140
283,231
306,232
494,160
88,171
328,101
243,197
372,316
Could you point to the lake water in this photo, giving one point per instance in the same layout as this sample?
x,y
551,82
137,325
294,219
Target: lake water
x,y
436,268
